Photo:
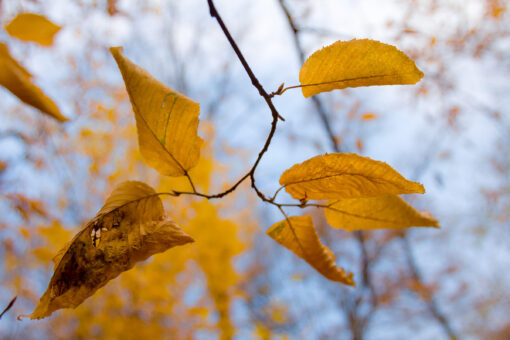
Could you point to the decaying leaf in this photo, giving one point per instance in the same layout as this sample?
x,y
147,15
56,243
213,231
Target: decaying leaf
x,y
344,175
17,80
356,63
299,236
167,121
129,228
381,212
32,27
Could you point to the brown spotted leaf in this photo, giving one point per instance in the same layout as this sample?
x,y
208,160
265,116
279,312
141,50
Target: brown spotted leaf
x,y
166,120
381,212
344,175
299,236
18,81
356,63
32,27
129,228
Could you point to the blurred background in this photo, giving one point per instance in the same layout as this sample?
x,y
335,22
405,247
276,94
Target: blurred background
x,y
449,132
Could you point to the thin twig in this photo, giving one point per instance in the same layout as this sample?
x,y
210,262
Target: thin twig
x,y
319,108
431,301
190,182
277,192
8,306
274,113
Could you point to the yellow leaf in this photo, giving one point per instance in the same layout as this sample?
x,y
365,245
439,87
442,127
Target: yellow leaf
x,y
299,236
381,212
17,80
344,175
32,27
356,63
166,120
129,228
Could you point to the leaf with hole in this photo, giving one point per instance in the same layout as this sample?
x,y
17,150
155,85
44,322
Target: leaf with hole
x,y
131,227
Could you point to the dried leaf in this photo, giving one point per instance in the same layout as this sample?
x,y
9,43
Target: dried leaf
x,y
32,27
17,80
129,228
344,175
356,63
166,120
381,212
299,236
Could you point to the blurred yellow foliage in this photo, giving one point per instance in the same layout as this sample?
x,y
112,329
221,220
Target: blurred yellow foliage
x,y
32,27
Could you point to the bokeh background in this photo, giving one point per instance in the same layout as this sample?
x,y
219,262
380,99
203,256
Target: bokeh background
x,y
450,132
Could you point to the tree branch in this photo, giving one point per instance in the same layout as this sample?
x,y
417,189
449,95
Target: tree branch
x,y
8,306
432,305
268,99
319,108
431,302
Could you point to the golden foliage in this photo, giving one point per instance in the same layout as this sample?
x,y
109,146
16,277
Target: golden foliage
x,y
17,80
341,175
356,63
166,120
380,212
32,27
132,226
297,233
219,244
129,228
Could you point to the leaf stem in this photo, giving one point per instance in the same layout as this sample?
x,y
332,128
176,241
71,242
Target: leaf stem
x,y
277,192
190,182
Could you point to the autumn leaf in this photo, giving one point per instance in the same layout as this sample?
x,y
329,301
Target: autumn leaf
x,y
166,120
344,175
356,63
17,80
381,212
297,233
129,228
32,27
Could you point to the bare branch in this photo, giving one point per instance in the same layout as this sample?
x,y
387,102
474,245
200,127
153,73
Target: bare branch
x,y
268,99
319,108
431,302
9,306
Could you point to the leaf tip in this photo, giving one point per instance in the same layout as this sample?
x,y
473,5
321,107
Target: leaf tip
x,y
430,221
61,118
115,50
187,239
349,280
420,189
420,74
